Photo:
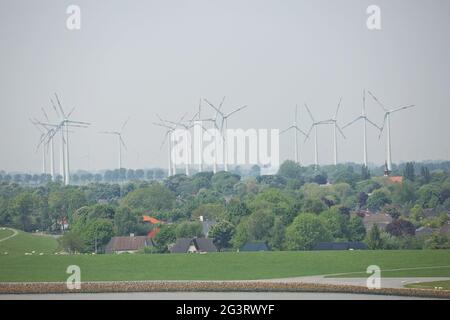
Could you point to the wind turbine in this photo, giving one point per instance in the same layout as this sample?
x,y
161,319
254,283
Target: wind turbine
x,y
366,120
64,126
387,124
224,126
120,141
171,127
44,151
336,128
314,125
297,130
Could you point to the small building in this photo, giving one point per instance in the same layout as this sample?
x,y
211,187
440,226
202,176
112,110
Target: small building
x,y
379,219
129,244
193,245
340,246
255,246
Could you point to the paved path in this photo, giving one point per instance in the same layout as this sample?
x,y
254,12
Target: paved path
x,y
8,237
385,282
205,296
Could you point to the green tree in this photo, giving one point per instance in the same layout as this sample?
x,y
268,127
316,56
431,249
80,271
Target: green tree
x,y
408,172
356,229
72,242
125,221
187,229
222,234
23,207
305,232
164,237
373,239
155,198
378,199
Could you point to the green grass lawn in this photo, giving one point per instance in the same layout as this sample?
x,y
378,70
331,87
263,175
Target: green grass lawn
x,y
220,266
26,242
445,285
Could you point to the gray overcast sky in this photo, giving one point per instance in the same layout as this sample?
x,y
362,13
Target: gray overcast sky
x,y
138,58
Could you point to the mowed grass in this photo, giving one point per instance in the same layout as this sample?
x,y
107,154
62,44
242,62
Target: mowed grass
x,y
442,285
220,266
26,242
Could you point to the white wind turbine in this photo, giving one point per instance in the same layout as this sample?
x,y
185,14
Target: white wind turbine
x,y
223,127
297,130
120,141
63,127
336,128
314,126
387,124
366,120
44,151
171,127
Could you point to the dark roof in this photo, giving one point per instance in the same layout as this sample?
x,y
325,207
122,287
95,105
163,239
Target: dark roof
x,y
181,246
340,246
380,219
254,246
205,245
127,243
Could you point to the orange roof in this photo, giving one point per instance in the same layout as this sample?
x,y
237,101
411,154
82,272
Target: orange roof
x,y
396,179
151,220
153,233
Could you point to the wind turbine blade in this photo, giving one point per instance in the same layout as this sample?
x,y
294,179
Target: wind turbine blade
x,y
124,124
221,103
45,114
372,123
382,127
212,106
54,108
402,108
162,125
123,142
352,122
337,109
60,106
377,101
287,129
233,112
340,130
70,113
300,130
309,112
309,132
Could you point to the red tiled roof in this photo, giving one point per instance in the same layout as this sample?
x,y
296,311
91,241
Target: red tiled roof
x,y
151,220
396,179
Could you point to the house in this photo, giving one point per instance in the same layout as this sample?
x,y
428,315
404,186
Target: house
x,y
340,246
193,245
379,219
129,244
255,246
424,231
155,225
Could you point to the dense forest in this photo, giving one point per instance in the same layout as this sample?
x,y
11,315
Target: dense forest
x,y
292,210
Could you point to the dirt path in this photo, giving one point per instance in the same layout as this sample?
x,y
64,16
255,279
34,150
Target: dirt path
x,y
9,237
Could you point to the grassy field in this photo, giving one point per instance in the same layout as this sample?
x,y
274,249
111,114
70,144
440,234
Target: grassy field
x,y
26,242
222,266
445,285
